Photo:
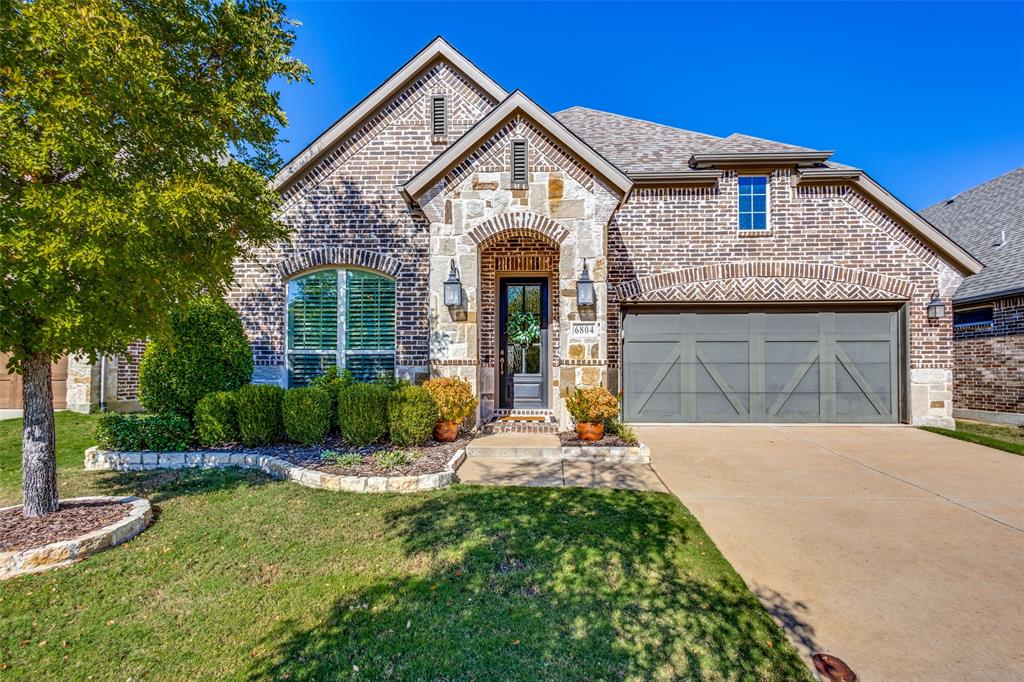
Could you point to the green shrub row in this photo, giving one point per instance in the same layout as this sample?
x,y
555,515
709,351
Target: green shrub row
x,y
158,432
363,414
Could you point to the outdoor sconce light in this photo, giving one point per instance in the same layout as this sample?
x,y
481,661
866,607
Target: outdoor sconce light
x,y
936,309
585,296
453,288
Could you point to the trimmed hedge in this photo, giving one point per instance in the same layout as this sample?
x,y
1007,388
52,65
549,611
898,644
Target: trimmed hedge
x,y
363,413
207,351
306,414
216,419
258,407
158,432
333,381
412,414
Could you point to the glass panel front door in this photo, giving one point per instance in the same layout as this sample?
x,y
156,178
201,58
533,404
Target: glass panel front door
x,y
523,343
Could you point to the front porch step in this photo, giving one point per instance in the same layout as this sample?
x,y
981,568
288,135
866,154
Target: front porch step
x,y
516,445
522,421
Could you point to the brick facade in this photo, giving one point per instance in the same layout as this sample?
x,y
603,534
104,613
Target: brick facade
x,y
990,361
662,244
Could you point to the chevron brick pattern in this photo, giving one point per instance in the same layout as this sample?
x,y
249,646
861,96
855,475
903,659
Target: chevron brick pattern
x,y
764,290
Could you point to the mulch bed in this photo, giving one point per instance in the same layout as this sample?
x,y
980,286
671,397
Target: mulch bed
x,y
426,459
570,440
71,520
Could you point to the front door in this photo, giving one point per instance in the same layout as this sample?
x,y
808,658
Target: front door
x,y
523,343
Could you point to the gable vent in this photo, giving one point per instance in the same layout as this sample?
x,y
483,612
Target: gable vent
x,y
519,163
439,115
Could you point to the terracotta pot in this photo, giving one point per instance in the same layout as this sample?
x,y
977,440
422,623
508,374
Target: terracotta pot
x,y
446,432
590,430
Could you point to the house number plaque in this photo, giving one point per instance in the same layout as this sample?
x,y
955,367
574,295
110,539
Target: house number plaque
x,y
584,329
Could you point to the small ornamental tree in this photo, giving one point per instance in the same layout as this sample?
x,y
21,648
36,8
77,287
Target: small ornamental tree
x,y
135,143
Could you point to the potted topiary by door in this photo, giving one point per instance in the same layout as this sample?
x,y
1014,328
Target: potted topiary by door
x,y
590,407
455,402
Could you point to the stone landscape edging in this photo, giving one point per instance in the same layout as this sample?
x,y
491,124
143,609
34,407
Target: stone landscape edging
x,y
66,552
98,460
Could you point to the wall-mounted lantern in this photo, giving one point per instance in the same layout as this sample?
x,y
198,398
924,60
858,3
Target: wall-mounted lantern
x,y
936,309
585,295
453,288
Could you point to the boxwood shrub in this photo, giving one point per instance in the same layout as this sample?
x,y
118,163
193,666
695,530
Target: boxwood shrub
x,y
306,413
215,418
130,432
333,381
363,413
258,407
412,414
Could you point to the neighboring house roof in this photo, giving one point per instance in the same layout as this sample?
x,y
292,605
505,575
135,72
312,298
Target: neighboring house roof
x,y
437,49
988,220
515,103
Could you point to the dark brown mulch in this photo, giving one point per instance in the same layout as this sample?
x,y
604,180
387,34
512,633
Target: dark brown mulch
x,y
425,459
71,520
570,440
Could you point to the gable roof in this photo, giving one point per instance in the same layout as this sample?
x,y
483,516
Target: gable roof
x,y
437,49
517,102
978,218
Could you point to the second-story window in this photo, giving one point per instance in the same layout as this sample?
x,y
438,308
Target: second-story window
x,y
520,166
753,202
439,115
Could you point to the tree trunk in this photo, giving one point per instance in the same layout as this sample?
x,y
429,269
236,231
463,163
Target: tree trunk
x,y
38,460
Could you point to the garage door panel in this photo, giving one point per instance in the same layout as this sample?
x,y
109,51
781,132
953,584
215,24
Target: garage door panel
x,y
761,366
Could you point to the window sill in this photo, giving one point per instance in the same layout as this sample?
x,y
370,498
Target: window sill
x,y
438,140
753,233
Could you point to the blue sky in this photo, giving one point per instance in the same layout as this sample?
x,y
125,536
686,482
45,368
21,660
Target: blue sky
x,y
927,97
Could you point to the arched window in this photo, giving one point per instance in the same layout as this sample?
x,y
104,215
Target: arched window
x,y
344,318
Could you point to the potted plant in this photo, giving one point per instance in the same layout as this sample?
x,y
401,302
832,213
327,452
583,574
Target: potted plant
x,y
589,408
455,402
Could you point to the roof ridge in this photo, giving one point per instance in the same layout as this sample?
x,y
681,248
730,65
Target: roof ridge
x,y
638,120
970,190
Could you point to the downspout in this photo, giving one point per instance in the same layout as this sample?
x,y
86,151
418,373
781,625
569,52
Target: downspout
x,y
103,383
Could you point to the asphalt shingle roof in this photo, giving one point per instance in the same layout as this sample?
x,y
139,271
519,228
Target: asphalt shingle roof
x,y
637,146
976,220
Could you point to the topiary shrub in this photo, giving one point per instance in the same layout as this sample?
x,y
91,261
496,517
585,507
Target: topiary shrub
x,y
363,413
206,351
333,381
215,418
130,433
412,414
306,413
258,407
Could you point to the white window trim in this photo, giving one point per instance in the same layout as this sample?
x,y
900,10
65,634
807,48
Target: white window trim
x,y
767,204
341,352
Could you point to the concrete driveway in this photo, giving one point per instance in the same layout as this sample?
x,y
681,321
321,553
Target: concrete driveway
x,y
898,550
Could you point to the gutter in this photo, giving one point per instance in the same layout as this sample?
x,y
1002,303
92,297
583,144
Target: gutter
x,y
690,177
758,159
982,298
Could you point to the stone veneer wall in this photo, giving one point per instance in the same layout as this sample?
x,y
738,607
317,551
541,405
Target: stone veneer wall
x,y
564,204
989,360
825,243
348,203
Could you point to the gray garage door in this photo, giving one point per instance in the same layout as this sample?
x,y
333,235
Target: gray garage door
x,y
761,366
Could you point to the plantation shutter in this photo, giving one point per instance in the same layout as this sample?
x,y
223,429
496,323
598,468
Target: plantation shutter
x,y
369,325
312,325
519,163
439,116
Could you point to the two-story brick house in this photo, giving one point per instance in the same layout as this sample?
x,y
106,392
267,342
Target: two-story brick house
x,y
734,279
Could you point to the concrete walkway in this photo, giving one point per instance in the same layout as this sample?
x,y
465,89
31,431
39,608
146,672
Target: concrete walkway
x,y
898,550
558,473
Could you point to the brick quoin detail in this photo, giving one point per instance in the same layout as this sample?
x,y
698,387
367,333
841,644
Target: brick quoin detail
x,y
785,281
339,256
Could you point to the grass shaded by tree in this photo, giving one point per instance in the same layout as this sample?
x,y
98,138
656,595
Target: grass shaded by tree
x,y
999,436
74,435
261,579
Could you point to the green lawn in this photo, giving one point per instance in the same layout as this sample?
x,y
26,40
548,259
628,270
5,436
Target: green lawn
x,y
243,577
999,436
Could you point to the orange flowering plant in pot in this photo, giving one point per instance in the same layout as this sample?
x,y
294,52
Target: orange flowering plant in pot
x,y
455,403
590,407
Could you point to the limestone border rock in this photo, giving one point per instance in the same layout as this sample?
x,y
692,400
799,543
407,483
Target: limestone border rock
x,y
66,552
98,460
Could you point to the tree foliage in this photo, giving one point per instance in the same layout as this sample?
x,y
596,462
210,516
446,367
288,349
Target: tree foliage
x,y
135,140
